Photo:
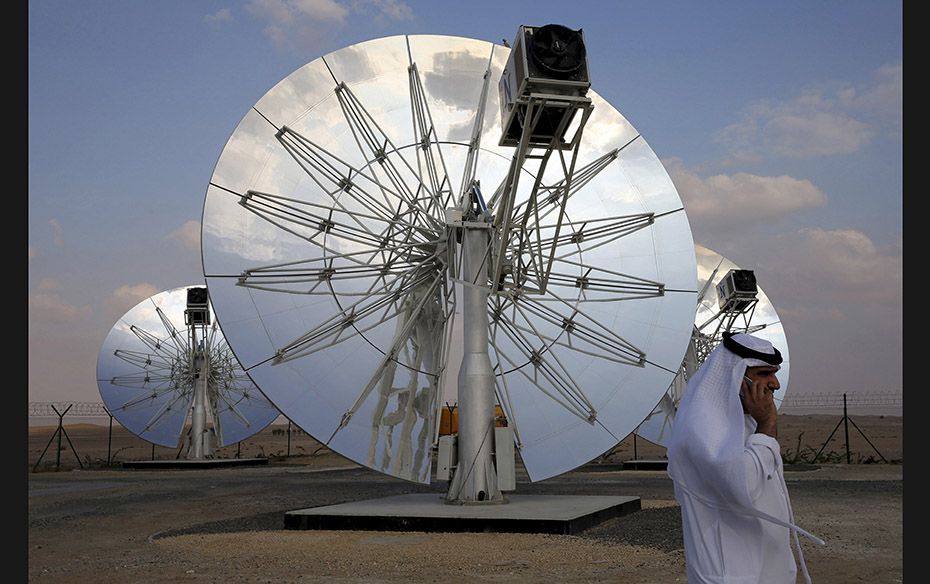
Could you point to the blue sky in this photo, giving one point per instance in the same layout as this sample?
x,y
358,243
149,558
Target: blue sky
x,y
780,124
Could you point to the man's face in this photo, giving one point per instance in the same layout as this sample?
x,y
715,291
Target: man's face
x,y
764,374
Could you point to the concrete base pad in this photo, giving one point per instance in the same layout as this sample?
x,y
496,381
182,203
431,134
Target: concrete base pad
x,y
190,464
557,514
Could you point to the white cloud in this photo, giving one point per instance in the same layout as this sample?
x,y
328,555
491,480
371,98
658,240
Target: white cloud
x,y
57,232
816,275
128,296
50,308
806,127
825,119
33,252
741,198
272,11
884,98
187,235
384,9
843,265
327,10
221,16
298,25
301,25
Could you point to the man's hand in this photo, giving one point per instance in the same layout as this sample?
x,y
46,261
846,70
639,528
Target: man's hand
x,y
758,402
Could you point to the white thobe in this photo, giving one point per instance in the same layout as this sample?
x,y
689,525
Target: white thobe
x,y
725,547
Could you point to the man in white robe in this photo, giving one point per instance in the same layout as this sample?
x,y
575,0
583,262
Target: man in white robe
x,y
726,465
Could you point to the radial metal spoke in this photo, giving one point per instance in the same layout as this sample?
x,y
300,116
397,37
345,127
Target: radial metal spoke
x,y
161,413
338,179
430,161
384,371
547,342
178,341
358,265
312,221
156,393
143,381
384,244
528,267
142,360
564,392
534,347
604,230
622,286
231,407
170,348
351,316
474,144
376,146
576,331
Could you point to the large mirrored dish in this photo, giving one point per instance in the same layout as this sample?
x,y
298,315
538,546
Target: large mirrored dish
x,y
709,325
146,379
324,248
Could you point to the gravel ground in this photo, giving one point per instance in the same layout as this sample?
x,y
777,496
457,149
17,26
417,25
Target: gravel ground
x,y
107,524
226,525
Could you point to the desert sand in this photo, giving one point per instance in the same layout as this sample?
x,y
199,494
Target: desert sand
x,y
105,523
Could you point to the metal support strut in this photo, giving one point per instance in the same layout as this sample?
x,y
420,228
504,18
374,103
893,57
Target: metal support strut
x,y
475,479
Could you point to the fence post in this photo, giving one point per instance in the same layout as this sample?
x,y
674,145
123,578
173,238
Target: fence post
x,y
109,437
61,430
845,420
846,428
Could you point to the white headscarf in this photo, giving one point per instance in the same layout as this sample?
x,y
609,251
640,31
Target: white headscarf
x,y
705,453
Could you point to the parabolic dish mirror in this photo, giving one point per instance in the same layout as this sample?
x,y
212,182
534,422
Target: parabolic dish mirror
x,y
710,322
333,273
146,377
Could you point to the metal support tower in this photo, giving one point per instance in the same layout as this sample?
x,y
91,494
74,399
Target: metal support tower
x,y
199,441
494,248
475,479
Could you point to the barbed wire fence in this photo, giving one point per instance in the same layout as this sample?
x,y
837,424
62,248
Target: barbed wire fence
x,y
78,409
866,403
836,400
56,413
819,402
862,402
